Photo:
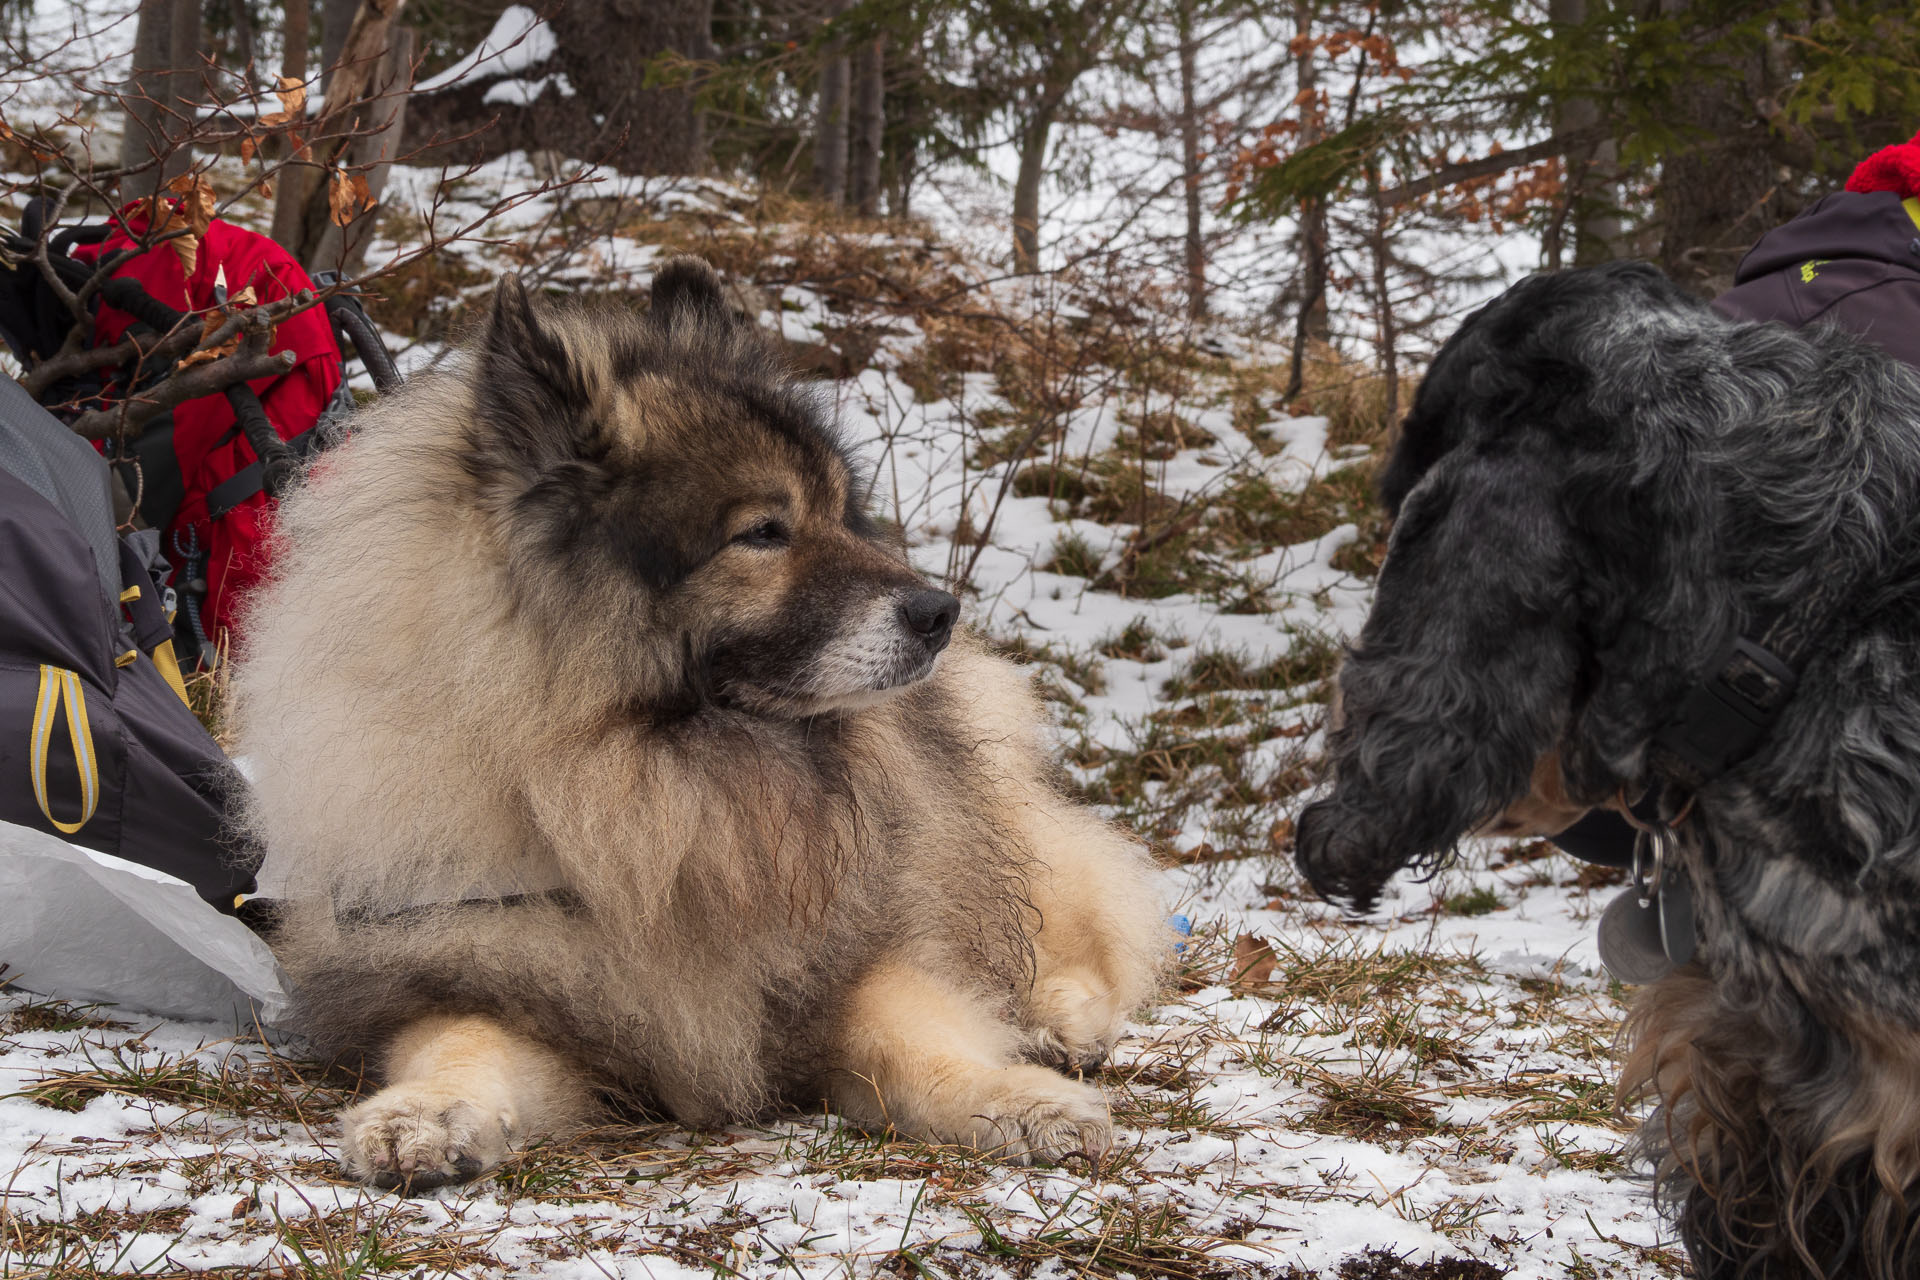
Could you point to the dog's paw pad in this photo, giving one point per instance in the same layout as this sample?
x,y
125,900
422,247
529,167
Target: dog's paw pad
x,y
1036,1115
415,1140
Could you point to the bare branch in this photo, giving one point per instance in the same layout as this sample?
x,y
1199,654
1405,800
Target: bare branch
x,y
176,343
1499,162
127,417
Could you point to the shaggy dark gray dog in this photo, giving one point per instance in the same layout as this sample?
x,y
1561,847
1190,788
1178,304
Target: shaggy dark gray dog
x,y
1599,476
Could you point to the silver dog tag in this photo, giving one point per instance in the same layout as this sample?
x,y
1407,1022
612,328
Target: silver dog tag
x,y
1677,937
1630,942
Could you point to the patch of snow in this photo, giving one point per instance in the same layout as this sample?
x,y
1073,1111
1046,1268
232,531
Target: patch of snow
x,y
520,41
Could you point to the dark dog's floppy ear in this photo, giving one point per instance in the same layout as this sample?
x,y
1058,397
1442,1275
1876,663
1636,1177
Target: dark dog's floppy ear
x,y
1462,677
687,290
533,394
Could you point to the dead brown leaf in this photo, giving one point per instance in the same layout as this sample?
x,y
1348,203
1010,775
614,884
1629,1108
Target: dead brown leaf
x,y
292,93
207,355
210,323
197,201
348,197
187,249
1253,962
164,218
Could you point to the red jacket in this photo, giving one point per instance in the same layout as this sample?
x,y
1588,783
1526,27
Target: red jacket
x,y
235,545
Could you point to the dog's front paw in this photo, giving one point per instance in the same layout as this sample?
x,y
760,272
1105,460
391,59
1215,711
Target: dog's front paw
x,y
1029,1113
1077,1025
416,1138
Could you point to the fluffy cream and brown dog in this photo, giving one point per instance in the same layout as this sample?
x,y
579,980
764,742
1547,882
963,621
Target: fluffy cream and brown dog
x,y
613,753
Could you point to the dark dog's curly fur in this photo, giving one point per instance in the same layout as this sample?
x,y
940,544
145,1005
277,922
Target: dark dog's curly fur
x,y
1598,474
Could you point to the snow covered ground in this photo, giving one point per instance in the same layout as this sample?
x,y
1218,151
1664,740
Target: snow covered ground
x,y
1126,501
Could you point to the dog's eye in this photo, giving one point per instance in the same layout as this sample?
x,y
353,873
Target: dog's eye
x,y
767,533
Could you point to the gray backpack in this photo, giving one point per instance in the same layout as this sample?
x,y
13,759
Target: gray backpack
x,y
97,744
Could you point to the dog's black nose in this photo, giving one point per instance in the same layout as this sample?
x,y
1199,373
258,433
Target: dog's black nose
x,y
930,615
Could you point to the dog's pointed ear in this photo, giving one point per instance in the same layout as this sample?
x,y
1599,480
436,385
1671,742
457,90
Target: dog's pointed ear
x,y
1462,678
533,394
688,291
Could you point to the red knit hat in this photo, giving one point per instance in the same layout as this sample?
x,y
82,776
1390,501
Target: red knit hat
x,y
1895,169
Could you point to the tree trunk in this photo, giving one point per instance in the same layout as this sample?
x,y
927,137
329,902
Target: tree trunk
x,y
1718,196
169,83
298,181
302,209
142,136
1599,235
868,127
1311,324
344,249
187,84
1593,220
295,33
830,119
296,36
1383,298
336,20
1190,165
243,40
1034,138
905,167
611,117
604,50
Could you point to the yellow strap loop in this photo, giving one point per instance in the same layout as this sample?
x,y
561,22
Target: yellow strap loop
x,y
169,665
54,682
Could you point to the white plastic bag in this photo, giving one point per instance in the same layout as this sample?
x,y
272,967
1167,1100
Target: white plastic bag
x,y
92,928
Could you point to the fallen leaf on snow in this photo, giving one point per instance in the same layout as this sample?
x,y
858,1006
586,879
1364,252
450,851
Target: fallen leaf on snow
x,y
1253,962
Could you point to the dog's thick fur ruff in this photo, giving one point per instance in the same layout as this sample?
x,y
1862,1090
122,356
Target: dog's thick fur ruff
x,y
589,727
1598,474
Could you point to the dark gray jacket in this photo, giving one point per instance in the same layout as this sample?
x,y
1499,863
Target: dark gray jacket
x,y
1851,260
